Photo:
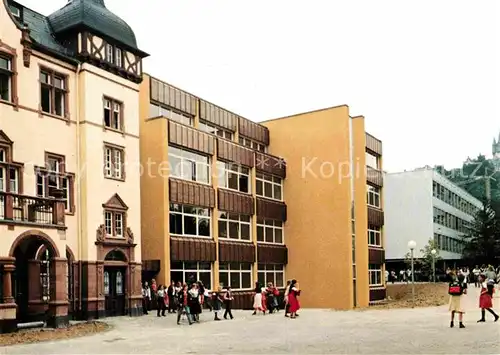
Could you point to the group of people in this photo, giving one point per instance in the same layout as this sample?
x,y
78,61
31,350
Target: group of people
x,y
266,299
188,300
458,287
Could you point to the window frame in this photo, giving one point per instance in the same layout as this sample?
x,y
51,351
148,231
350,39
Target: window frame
x,y
120,118
11,75
374,232
114,213
172,114
260,177
261,223
7,164
227,220
252,144
225,168
198,271
240,271
52,74
42,180
374,269
109,168
262,269
184,159
198,218
211,128
375,191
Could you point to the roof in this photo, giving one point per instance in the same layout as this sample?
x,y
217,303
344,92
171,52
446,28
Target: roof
x,y
94,15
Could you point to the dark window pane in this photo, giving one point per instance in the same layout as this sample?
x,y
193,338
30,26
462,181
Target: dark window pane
x,y
191,277
204,227
269,235
224,279
189,225
279,279
258,187
222,229
260,234
176,276
246,280
245,231
268,190
261,277
235,280
233,230
107,117
59,103
176,265
206,279
204,266
175,223
233,181
244,183
45,99
190,265
278,236
277,192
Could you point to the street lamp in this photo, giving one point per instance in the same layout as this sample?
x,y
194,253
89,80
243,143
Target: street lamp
x,y
433,253
412,245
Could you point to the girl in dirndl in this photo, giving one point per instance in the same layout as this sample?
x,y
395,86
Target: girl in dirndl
x,y
486,299
293,298
257,299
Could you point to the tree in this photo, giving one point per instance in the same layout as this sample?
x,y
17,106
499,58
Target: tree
x,y
425,263
482,242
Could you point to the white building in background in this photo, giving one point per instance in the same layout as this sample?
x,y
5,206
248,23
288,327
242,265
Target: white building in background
x,y
422,205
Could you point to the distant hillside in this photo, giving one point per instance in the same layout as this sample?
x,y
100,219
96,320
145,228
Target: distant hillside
x,y
471,176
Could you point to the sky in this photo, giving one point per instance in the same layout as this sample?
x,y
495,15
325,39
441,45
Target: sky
x,y
425,74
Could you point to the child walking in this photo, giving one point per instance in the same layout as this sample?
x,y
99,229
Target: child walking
x,y
456,288
486,299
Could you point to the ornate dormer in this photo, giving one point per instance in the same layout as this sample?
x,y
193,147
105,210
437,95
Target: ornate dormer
x,y
98,36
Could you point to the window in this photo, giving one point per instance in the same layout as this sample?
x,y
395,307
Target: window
x,y
372,160
375,274
191,272
109,53
274,273
189,221
233,176
235,226
253,144
6,75
187,165
373,196
53,177
451,198
114,223
206,127
269,186
53,93
118,57
114,167
45,275
15,11
9,173
374,236
236,275
157,111
269,231
113,114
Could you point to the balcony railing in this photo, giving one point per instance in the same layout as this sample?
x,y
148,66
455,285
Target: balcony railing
x,y
374,176
21,209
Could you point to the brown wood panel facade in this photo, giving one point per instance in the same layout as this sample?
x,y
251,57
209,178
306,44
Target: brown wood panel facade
x,y
252,130
242,300
376,256
190,138
192,249
235,202
374,177
236,252
218,116
271,209
272,254
377,294
191,193
375,217
233,152
373,144
169,95
270,164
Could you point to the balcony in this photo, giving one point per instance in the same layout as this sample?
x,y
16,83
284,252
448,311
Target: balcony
x,y
374,176
28,210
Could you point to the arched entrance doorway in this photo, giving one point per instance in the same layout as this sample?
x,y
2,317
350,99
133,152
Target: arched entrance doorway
x,y
39,280
115,269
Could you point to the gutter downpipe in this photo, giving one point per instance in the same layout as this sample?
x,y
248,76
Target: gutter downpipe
x,y
79,190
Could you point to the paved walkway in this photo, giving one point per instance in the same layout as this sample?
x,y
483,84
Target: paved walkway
x,y
403,331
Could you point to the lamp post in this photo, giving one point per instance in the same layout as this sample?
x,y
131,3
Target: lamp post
x,y
412,245
433,253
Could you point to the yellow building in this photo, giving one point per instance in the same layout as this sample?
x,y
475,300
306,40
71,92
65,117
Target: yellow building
x,y
69,205
220,205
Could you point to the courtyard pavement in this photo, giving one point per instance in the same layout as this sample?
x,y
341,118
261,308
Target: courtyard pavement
x,y
397,331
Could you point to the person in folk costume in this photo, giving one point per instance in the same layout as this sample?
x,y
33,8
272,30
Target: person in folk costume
x,y
486,298
456,289
154,289
285,298
146,297
171,292
264,299
272,297
160,301
228,302
293,298
194,302
182,304
257,299
216,303
201,294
